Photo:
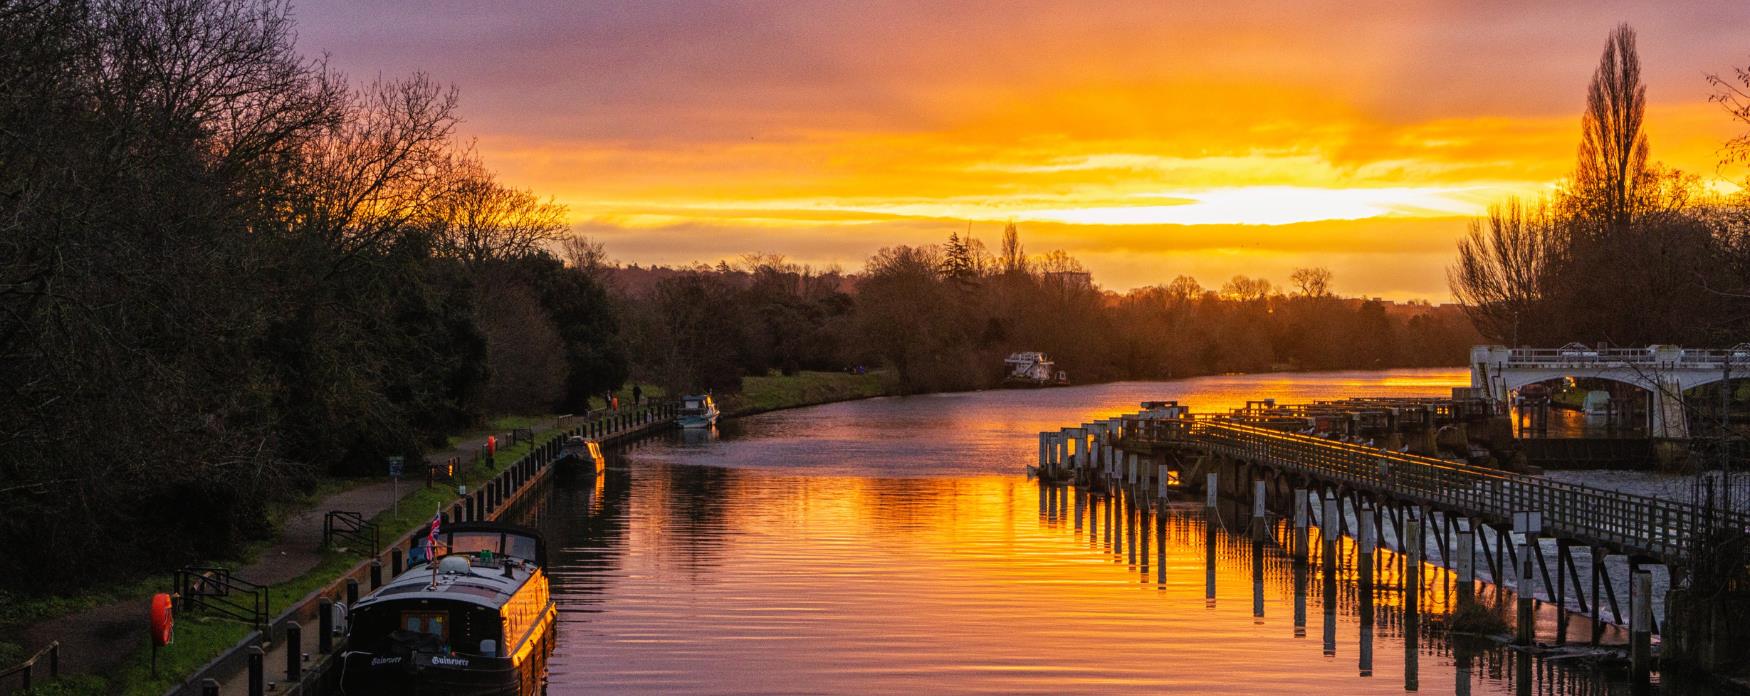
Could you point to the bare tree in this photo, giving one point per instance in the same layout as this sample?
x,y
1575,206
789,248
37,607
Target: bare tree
x,y
476,219
1503,271
1312,282
1243,289
1733,95
1014,257
1612,163
585,254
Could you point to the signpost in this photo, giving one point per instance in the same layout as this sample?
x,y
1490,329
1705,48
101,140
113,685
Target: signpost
x,y
395,476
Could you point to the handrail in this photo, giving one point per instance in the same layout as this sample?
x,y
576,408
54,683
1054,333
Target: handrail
x,y
1652,526
28,667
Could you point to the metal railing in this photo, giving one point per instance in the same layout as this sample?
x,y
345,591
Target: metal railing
x,y
1642,357
27,669
352,526
215,590
1661,529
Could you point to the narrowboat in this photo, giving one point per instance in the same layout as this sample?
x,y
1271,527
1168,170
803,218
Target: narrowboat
x,y
473,616
583,455
697,411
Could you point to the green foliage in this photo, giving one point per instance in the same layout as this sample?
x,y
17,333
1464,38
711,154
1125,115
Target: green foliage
x,y
771,392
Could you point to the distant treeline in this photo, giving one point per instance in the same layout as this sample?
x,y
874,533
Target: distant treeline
x,y
226,270
944,317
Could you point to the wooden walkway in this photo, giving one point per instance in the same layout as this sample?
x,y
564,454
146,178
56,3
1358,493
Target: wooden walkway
x,y
1660,530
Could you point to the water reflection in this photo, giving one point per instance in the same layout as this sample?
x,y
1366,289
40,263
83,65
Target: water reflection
x,y
683,571
681,579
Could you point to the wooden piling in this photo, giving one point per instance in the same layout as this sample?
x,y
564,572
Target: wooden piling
x,y
1367,546
1641,629
1467,563
1527,633
1300,550
1413,546
1212,488
1260,529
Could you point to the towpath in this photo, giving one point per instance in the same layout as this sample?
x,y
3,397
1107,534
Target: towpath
x,y
99,639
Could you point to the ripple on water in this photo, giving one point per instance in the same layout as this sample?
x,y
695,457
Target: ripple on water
x,y
891,546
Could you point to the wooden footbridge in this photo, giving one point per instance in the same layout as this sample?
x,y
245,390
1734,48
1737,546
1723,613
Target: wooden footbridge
x,y
1455,506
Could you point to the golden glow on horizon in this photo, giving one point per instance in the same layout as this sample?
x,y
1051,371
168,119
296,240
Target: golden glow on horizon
x,y
1106,170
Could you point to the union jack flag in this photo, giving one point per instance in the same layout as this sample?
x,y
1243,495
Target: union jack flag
x,y
431,536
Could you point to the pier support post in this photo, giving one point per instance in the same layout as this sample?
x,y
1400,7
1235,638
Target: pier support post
x,y
1211,488
1527,633
1161,481
1133,469
1467,562
1369,542
1260,531
1300,522
1413,564
294,652
1328,522
1641,629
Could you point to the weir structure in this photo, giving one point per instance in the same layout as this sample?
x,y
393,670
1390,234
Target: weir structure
x,y
1581,549
1663,371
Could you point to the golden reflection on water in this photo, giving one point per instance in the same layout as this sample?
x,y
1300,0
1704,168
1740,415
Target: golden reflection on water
x,y
689,579
893,546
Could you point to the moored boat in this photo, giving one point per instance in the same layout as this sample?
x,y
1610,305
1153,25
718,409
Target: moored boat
x,y
1033,369
583,454
474,617
698,411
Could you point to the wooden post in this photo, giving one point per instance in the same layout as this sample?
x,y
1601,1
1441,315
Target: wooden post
x,y
294,652
1368,544
1161,481
209,687
1467,562
1328,523
395,562
1134,465
1641,629
1413,564
1300,522
352,593
1527,619
1259,527
376,574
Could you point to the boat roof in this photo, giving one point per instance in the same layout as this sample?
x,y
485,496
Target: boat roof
x,y
483,585
540,558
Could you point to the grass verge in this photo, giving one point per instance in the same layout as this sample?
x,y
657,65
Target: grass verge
x,y
199,639
771,392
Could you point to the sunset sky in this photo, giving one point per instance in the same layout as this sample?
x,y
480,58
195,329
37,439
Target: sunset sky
x,y
1148,139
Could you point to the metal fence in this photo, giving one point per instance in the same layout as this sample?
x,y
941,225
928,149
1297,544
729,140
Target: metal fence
x,y
1661,529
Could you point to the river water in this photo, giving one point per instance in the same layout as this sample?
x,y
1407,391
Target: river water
x,y
895,545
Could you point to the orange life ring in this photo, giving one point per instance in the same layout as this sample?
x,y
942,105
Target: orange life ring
x,y
162,621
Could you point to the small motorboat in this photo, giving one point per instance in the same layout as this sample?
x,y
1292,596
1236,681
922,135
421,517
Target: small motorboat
x,y
697,411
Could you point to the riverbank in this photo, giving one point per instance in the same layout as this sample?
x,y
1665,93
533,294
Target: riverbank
x,y
102,632
806,388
